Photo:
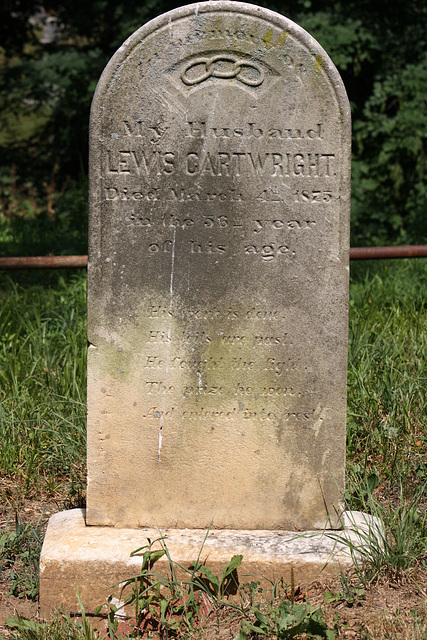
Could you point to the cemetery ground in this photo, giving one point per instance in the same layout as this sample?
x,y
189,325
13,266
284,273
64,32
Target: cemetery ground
x,y
42,424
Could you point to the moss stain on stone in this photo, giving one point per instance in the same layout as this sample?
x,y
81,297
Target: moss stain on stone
x,y
318,64
269,41
268,38
281,39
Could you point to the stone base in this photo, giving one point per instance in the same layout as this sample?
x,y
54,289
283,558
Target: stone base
x,y
94,560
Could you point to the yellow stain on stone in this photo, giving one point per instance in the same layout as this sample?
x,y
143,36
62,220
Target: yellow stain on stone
x,y
318,64
269,40
281,39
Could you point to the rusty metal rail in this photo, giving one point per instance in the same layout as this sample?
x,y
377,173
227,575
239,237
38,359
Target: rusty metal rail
x,y
43,262
71,262
380,253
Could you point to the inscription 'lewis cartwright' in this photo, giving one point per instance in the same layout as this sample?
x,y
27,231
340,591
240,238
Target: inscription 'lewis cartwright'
x,y
218,276
220,163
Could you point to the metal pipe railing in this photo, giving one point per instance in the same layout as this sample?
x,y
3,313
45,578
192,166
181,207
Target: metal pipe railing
x,y
43,262
381,253
71,262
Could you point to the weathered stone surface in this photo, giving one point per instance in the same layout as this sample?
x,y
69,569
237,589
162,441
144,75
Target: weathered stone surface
x,y
97,559
218,276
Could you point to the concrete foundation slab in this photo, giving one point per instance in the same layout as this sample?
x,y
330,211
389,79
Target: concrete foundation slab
x,y
94,559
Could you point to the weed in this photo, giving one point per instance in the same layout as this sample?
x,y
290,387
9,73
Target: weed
x,y
351,592
281,616
172,607
19,553
219,586
360,486
285,620
88,631
61,627
392,541
167,605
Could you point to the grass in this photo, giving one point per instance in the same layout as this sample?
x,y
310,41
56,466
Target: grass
x,y
42,381
387,377
20,547
42,428
393,542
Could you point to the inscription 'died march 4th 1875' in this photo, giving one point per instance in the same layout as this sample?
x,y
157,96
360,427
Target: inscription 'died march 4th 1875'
x,y
218,276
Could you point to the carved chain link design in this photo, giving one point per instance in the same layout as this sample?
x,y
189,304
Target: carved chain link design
x,y
214,67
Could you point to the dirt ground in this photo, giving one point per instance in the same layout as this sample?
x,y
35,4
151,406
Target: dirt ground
x,y
385,610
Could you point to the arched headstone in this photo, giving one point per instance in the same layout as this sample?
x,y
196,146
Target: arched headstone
x,y
218,276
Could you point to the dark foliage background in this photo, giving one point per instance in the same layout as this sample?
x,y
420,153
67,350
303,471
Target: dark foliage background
x,y
46,89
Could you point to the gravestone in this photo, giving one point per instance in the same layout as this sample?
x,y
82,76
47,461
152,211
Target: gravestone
x,y
218,276
217,304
